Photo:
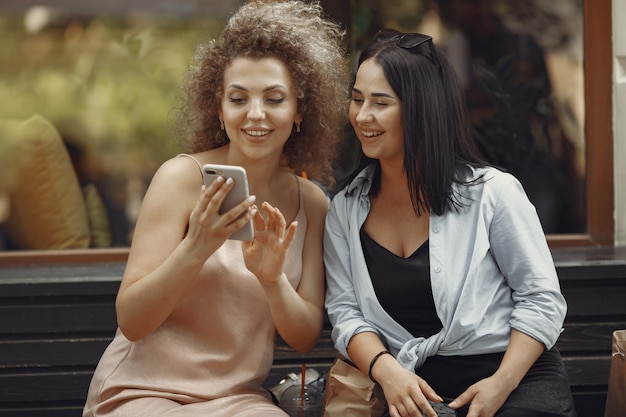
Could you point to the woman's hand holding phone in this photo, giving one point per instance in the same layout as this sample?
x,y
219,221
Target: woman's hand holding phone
x,y
208,229
235,202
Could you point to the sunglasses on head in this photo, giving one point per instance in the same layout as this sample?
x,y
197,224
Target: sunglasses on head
x,y
408,41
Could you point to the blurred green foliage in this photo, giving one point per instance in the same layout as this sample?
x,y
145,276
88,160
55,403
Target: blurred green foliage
x,y
107,83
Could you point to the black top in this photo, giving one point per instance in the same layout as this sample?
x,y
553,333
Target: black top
x,y
402,286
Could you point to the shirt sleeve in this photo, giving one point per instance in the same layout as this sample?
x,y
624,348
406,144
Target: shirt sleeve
x,y
520,249
343,308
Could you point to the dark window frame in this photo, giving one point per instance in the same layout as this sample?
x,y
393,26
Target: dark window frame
x,y
598,67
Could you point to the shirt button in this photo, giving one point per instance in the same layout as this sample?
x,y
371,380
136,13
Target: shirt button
x,y
437,269
436,229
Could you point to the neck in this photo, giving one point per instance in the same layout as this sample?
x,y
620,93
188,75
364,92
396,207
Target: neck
x,y
393,179
261,172
394,186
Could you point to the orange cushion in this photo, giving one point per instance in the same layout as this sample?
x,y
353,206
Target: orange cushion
x,y
47,209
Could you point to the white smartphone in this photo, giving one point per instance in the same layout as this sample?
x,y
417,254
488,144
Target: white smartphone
x,y
235,196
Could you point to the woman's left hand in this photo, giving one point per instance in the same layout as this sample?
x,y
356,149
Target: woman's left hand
x,y
265,255
485,397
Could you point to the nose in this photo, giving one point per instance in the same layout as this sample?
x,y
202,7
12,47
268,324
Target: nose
x,y
363,115
256,111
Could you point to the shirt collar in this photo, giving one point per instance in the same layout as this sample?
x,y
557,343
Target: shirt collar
x,y
362,181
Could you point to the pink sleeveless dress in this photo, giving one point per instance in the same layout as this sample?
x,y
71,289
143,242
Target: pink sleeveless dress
x,y
209,358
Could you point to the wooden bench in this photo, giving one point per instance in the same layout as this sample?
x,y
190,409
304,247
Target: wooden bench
x,y
56,320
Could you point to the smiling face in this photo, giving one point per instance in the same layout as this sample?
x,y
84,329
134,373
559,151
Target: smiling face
x,y
259,106
376,114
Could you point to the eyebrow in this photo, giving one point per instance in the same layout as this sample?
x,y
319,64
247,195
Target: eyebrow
x,y
268,88
356,90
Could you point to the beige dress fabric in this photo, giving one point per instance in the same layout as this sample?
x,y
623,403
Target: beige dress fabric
x,y
209,358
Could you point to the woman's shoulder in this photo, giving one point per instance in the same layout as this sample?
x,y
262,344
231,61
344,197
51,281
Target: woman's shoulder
x,y
176,179
313,197
484,183
181,169
499,187
190,165
488,176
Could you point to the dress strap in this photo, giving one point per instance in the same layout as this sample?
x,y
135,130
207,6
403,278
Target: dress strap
x,y
300,196
193,158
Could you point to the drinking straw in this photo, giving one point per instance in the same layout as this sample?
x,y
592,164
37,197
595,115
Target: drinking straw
x,y
302,384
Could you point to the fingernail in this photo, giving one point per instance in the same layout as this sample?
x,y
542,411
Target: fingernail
x,y
229,181
219,179
253,212
251,199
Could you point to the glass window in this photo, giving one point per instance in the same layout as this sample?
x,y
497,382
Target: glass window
x,y
521,64
107,78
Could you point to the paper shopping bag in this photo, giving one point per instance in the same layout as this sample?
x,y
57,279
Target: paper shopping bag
x,y
350,393
616,397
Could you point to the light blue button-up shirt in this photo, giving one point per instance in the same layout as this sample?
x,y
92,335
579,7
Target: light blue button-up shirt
x,y
490,269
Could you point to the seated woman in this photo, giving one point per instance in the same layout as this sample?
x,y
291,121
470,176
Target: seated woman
x,y
198,312
440,280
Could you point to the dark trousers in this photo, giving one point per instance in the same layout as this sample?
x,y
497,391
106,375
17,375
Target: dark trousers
x,y
543,392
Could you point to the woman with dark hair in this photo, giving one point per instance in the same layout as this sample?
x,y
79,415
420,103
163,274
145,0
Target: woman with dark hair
x,y
198,312
440,283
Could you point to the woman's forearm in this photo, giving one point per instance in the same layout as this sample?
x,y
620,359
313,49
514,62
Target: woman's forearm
x,y
520,355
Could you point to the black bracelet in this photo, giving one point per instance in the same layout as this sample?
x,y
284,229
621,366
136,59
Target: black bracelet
x,y
374,359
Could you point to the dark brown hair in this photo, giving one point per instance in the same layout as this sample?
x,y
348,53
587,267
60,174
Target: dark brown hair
x,y
437,136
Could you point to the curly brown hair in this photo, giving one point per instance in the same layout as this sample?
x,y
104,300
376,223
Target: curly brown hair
x,y
311,47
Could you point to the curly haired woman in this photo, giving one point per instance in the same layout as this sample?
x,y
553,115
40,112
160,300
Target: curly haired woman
x,y
198,312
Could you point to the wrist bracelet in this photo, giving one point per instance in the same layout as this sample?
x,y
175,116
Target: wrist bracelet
x,y
374,359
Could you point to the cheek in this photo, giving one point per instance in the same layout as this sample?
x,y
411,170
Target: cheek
x,y
229,114
286,115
